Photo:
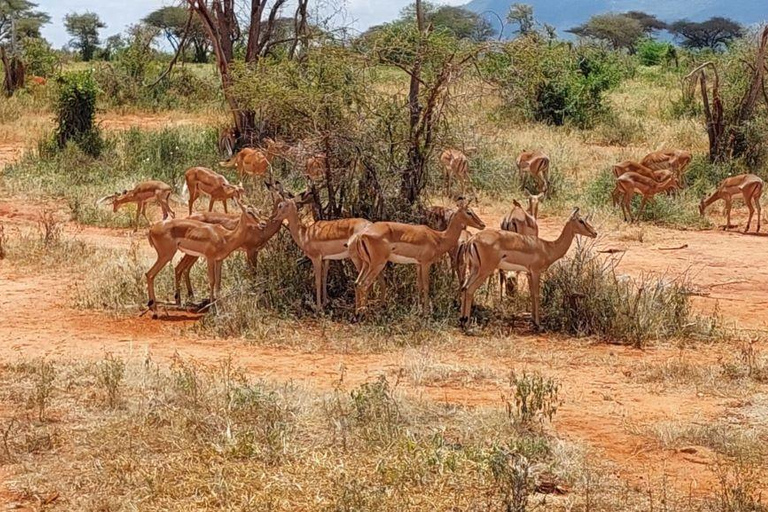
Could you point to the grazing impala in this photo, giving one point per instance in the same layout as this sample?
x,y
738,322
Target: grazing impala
x,y
494,249
194,238
675,160
140,194
256,162
630,166
199,180
321,241
748,186
405,243
536,163
455,165
633,183
521,222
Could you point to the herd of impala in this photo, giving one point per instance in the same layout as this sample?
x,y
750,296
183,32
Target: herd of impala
x,y
515,247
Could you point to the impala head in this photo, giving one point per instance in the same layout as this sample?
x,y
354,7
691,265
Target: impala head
x,y
276,147
116,199
582,226
467,216
533,204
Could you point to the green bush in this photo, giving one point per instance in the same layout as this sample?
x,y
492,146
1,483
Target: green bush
x,y
76,113
39,58
652,52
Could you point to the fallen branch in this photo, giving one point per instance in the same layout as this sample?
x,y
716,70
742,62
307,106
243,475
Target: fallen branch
x,y
735,281
684,246
611,251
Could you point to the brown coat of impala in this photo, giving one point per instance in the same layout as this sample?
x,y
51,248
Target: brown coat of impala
x,y
455,165
536,163
315,166
140,194
320,241
495,249
255,162
747,185
633,183
438,218
630,166
522,222
201,180
195,238
405,243
675,160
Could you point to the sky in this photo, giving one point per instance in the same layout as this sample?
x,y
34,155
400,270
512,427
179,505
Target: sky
x,y
119,14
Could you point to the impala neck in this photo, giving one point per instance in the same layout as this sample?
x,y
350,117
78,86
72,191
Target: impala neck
x,y
714,196
297,229
559,247
235,238
450,237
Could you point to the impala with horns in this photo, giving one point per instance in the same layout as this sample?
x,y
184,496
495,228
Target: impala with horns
x,y
145,191
406,243
749,186
455,165
256,162
676,160
321,241
201,180
194,238
492,249
535,163
256,238
631,183
522,222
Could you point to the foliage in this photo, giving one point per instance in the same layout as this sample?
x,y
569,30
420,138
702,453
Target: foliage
x,y
76,112
112,45
652,52
84,29
714,34
172,20
555,83
619,30
461,23
27,20
535,399
38,57
649,22
522,16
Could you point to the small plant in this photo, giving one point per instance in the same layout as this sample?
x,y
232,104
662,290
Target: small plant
x,y
375,411
535,399
44,373
511,474
49,227
110,377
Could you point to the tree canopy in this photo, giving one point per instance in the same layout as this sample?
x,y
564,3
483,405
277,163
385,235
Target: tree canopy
x,y
172,21
522,16
461,22
23,15
84,29
619,30
714,33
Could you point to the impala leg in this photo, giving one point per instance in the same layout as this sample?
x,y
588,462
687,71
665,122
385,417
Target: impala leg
x,y
211,280
326,267
369,275
138,214
468,294
210,204
758,208
182,270
502,284
317,266
424,285
625,208
642,208
192,197
144,212
161,262
533,283
728,205
217,267
751,209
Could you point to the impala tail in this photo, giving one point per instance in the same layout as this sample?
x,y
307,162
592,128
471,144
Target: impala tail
x,y
363,249
468,253
229,163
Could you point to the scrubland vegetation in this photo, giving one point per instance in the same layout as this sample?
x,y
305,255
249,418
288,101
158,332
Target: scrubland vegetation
x,y
134,433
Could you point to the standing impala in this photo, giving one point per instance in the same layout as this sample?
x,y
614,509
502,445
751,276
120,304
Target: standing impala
x,y
405,243
255,162
536,163
493,249
194,238
140,194
455,164
631,183
674,160
199,180
320,241
521,222
747,185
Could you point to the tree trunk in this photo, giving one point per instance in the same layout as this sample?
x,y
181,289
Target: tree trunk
x,y
14,72
412,179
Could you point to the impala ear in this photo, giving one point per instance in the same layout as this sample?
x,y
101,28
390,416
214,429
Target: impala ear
x,y
575,213
516,203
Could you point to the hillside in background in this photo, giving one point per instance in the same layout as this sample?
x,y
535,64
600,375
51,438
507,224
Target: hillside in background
x,y
566,14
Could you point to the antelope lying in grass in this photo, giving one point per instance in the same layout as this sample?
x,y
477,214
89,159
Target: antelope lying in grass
x,y
493,249
199,180
140,194
749,186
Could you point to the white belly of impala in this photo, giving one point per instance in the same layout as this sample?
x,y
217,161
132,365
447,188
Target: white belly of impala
x,y
191,252
512,267
394,258
337,256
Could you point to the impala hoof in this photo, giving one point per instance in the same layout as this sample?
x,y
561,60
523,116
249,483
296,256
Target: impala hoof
x,y
150,303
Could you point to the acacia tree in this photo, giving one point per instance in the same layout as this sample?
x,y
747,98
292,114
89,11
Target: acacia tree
x,y
18,18
172,21
619,30
84,29
522,16
714,33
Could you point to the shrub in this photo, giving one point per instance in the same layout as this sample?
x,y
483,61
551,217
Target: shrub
x,y
652,52
111,372
583,296
535,399
39,58
76,112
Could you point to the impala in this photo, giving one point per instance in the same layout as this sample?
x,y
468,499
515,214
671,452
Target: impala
x,y
674,160
227,141
521,222
405,243
256,162
748,186
315,166
140,194
199,180
535,163
455,164
633,183
194,238
438,218
494,249
630,166
321,241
